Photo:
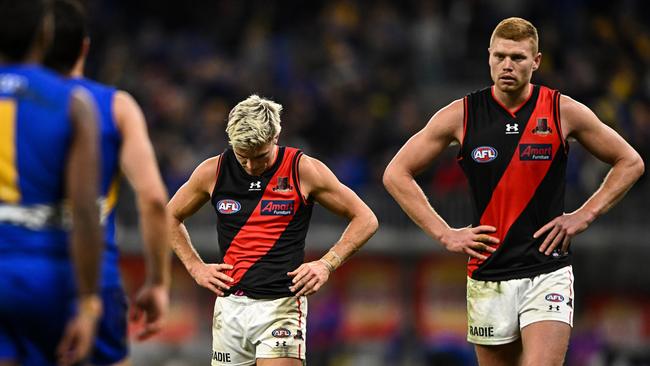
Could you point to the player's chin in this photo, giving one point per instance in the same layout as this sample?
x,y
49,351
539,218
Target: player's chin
x,y
508,86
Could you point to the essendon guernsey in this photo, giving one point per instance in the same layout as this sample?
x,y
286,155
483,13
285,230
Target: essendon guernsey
x,y
262,223
515,164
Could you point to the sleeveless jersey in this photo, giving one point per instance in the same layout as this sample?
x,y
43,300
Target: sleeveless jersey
x,y
111,141
35,133
515,164
262,223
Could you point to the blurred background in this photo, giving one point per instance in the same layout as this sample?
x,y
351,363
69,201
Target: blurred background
x,y
357,79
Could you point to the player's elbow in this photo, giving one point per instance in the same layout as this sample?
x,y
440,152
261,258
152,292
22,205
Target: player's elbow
x,y
373,223
634,165
638,166
391,178
387,178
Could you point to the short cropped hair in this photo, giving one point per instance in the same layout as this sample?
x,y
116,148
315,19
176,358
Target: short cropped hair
x,y
253,122
20,21
516,29
70,29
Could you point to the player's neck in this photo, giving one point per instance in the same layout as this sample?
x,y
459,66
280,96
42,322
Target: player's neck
x,y
34,56
513,100
78,68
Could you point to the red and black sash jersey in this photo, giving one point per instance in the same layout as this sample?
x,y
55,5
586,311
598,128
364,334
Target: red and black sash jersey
x,y
262,223
515,164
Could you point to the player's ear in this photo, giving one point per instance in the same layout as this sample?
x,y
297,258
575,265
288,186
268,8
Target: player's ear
x,y
537,60
276,138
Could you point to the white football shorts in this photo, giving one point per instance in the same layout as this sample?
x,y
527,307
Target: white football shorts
x,y
245,329
498,310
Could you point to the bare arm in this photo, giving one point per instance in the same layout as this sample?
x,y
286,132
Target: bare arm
x,y
318,182
443,128
81,190
86,245
580,122
138,162
189,198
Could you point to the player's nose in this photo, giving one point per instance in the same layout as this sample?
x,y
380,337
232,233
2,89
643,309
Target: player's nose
x,y
507,63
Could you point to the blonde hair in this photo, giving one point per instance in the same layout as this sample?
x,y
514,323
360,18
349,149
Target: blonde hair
x,y
253,122
516,29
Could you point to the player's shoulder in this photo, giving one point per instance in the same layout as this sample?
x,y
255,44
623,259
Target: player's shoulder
x,y
102,95
479,93
311,168
576,116
456,106
308,160
568,101
40,81
570,107
126,111
205,173
209,166
448,120
123,99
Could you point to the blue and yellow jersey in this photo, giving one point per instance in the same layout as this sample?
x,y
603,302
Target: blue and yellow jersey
x,y
111,141
35,133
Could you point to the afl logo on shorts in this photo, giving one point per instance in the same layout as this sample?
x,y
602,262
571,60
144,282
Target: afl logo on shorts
x,y
228,207
281,333
554,297
484,154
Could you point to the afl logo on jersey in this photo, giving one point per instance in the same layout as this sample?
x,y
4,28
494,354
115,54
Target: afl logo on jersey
x,y
228,207
484,154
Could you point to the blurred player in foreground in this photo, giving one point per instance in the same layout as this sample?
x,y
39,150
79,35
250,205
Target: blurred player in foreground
x,y
126,148
49,303
263,195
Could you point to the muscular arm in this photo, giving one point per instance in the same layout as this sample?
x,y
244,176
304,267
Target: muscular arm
x,y
608,146
443,128
318,182
81,191
579,122
189,199
138,162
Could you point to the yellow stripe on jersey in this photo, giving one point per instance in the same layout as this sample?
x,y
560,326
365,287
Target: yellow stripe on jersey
x,y
9,190
111,197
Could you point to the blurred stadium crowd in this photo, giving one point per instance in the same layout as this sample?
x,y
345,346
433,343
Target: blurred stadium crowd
x,y
358,78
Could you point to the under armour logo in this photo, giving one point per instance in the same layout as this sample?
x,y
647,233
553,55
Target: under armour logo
x,y
512,129
554,307
255,186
